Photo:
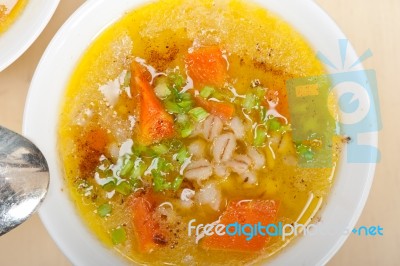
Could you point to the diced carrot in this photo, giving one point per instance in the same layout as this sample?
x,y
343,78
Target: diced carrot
x,y
147,230
223,110
207,66
243,212
155,124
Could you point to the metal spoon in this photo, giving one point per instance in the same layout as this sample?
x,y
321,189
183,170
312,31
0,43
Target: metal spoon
x,y
24,179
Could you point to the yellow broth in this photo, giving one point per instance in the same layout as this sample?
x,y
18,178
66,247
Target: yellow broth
x,y
7,17
260,48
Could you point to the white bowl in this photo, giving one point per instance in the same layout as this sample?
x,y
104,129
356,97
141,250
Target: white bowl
x,y
343,207
25,30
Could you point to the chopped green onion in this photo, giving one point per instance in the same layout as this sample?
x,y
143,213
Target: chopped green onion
x,y
182,155
103,169
127,79
135,182
164,166
263,114
301,148
139,169
177,183
186,127
305,152
274,124
176,79
104,210
110,186
182,118
309,155
127,168
185,104
162,91
187,130
105,173
159,182
138,149
218,95
186,96
160,149
175,144
118,235
198,114
124,188
250,101
260,92
173,108
260,137
207,92
174,93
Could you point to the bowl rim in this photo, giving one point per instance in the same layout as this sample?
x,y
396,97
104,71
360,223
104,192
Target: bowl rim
x,y
33,123
29,24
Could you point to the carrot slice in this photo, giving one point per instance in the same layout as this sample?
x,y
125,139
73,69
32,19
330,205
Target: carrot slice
x,y
207,66
155,124
147,230
223,110
243,212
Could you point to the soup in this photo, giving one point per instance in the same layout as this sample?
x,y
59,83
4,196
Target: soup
x,y
9,11
168,127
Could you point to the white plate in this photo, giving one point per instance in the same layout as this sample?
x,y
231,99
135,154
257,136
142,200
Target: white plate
x,y
25,30
347,198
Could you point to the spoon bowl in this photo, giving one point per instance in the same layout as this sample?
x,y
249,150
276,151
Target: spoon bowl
x,y
24,179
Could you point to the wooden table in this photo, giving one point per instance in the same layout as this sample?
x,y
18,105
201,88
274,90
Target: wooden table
x,y
372,24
